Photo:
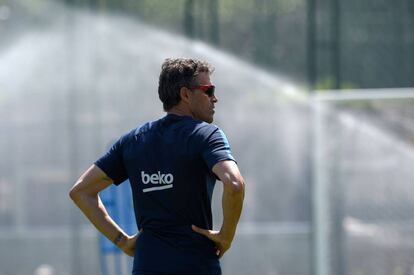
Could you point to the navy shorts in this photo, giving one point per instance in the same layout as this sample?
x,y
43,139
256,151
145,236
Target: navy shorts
x,y
155,256
139,272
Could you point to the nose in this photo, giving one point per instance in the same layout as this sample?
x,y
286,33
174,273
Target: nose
x,y
214,98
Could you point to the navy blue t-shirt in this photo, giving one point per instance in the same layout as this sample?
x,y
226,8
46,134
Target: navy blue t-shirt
x,y
169,165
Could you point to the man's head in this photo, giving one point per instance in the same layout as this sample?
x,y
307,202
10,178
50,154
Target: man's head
x,y
187,81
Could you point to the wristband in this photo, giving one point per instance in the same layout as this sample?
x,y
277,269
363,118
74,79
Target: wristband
x,y
118,238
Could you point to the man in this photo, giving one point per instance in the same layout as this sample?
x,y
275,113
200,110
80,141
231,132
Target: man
x,y
172,165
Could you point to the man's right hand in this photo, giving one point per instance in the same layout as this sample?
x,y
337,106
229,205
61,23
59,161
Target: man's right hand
x,y
127,244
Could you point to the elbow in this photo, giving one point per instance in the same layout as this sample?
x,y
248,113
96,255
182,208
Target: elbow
x,y
79,194
236,187
74,193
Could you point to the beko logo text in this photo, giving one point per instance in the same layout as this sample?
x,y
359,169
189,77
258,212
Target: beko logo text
x,y
164,181
156,178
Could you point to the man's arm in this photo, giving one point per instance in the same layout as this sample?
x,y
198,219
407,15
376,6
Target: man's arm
x,y
232,202
85,195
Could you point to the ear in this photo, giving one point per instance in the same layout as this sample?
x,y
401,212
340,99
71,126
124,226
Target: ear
x,y
185,94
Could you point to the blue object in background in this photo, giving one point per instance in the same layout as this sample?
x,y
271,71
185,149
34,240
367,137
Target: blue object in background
x,y
118,203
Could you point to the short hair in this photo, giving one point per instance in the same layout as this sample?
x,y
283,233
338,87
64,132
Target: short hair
x,y
177,73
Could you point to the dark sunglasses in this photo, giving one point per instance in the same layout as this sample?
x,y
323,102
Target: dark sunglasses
x,y
207,89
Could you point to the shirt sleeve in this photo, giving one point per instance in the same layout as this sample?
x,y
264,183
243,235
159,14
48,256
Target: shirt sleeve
x,y
217,149
112,163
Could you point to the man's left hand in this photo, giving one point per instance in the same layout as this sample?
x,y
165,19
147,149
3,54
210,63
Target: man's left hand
x,y
222,243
